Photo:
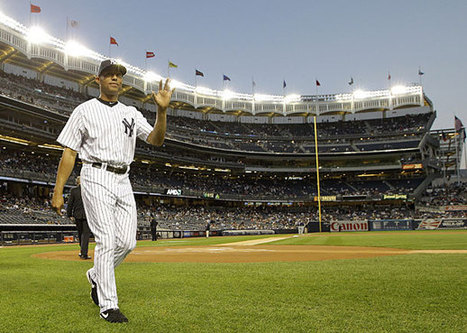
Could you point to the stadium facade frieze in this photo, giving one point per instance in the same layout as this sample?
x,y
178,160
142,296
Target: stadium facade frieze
x,y
52,57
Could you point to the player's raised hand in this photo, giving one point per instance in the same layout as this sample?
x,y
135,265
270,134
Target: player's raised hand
x,y
162,98
57,203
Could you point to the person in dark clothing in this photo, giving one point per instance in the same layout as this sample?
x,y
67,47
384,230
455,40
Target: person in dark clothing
x,y
75,211
154,228
208,228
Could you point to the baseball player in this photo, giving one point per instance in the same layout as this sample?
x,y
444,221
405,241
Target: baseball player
x,y
103,131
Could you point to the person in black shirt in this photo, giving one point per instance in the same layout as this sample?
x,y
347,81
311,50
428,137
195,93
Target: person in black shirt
x,y
154,228
75,211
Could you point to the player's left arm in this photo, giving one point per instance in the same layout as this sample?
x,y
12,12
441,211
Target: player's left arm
x,y
162,99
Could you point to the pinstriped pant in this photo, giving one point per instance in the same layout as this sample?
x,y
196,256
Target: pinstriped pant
x,y
111,213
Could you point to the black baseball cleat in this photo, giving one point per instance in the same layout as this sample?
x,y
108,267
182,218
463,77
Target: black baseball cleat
x,y
94,297
114,316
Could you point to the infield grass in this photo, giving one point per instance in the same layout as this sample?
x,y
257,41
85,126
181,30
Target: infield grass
x,y
406,293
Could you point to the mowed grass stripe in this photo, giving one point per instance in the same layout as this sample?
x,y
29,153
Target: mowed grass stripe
x,y
409,293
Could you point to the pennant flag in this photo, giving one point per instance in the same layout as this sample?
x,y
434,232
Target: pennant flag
x,y
113,41
74,23
389,76
457,124
351,81
420,72
150,54
226,78
284,84
35,9
171,64
199,73
253,83
317,83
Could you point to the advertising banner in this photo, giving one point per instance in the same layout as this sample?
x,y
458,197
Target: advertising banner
x,y
349,226
429,224
453,223
393,224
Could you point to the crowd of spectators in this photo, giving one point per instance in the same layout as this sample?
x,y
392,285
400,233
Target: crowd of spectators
x,y
36,166
452,194
284,138
57,99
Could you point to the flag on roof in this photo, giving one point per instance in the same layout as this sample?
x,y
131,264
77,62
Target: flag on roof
x,y
284,84
150,54
74,23
389,76
35,9
199,73
226,78
420,72
171,64
113,41
351,81
317,83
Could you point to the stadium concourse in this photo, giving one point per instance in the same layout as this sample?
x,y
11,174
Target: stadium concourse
x,y
241,162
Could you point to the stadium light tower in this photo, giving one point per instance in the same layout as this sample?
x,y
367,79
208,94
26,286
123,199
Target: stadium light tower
x,y
292,98
151,77
398,90
360,94
227,94
37,35
75,49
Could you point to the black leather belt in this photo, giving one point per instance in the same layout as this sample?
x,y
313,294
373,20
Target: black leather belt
x,y
119,171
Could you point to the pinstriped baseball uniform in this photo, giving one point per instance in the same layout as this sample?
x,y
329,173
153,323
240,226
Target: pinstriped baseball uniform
x,y
105,133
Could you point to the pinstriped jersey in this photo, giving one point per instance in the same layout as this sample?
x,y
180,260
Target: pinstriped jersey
x,y
103,133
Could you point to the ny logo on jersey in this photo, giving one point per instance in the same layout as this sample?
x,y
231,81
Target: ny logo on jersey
x,y
129,127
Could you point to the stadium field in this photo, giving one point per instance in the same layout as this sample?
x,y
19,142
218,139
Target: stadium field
x,y
407,291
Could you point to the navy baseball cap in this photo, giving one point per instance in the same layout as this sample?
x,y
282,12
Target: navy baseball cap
x,y
108,63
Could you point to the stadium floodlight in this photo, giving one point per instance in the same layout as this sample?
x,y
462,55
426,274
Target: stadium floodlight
x,y
262,97
360,94
399,90
151,77
227,94
292,98
37,35
205,91
75,49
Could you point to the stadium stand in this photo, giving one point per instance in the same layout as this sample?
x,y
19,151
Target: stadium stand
x,y
240,163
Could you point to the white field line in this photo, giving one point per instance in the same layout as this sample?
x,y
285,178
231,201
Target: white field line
x,y
255,241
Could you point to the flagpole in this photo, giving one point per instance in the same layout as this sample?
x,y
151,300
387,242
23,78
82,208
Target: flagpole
x,y
457,156
30,14
168,68
196,80
110,55
66,30
317,173
146,61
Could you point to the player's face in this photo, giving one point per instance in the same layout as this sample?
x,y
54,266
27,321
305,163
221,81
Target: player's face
x,y
110,82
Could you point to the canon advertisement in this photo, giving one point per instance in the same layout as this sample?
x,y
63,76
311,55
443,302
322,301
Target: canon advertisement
x,y
349,226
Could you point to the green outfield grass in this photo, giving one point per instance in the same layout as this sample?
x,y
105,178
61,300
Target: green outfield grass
x,y
406,293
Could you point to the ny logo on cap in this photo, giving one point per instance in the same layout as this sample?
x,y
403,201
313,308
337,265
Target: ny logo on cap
x,y
129,127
